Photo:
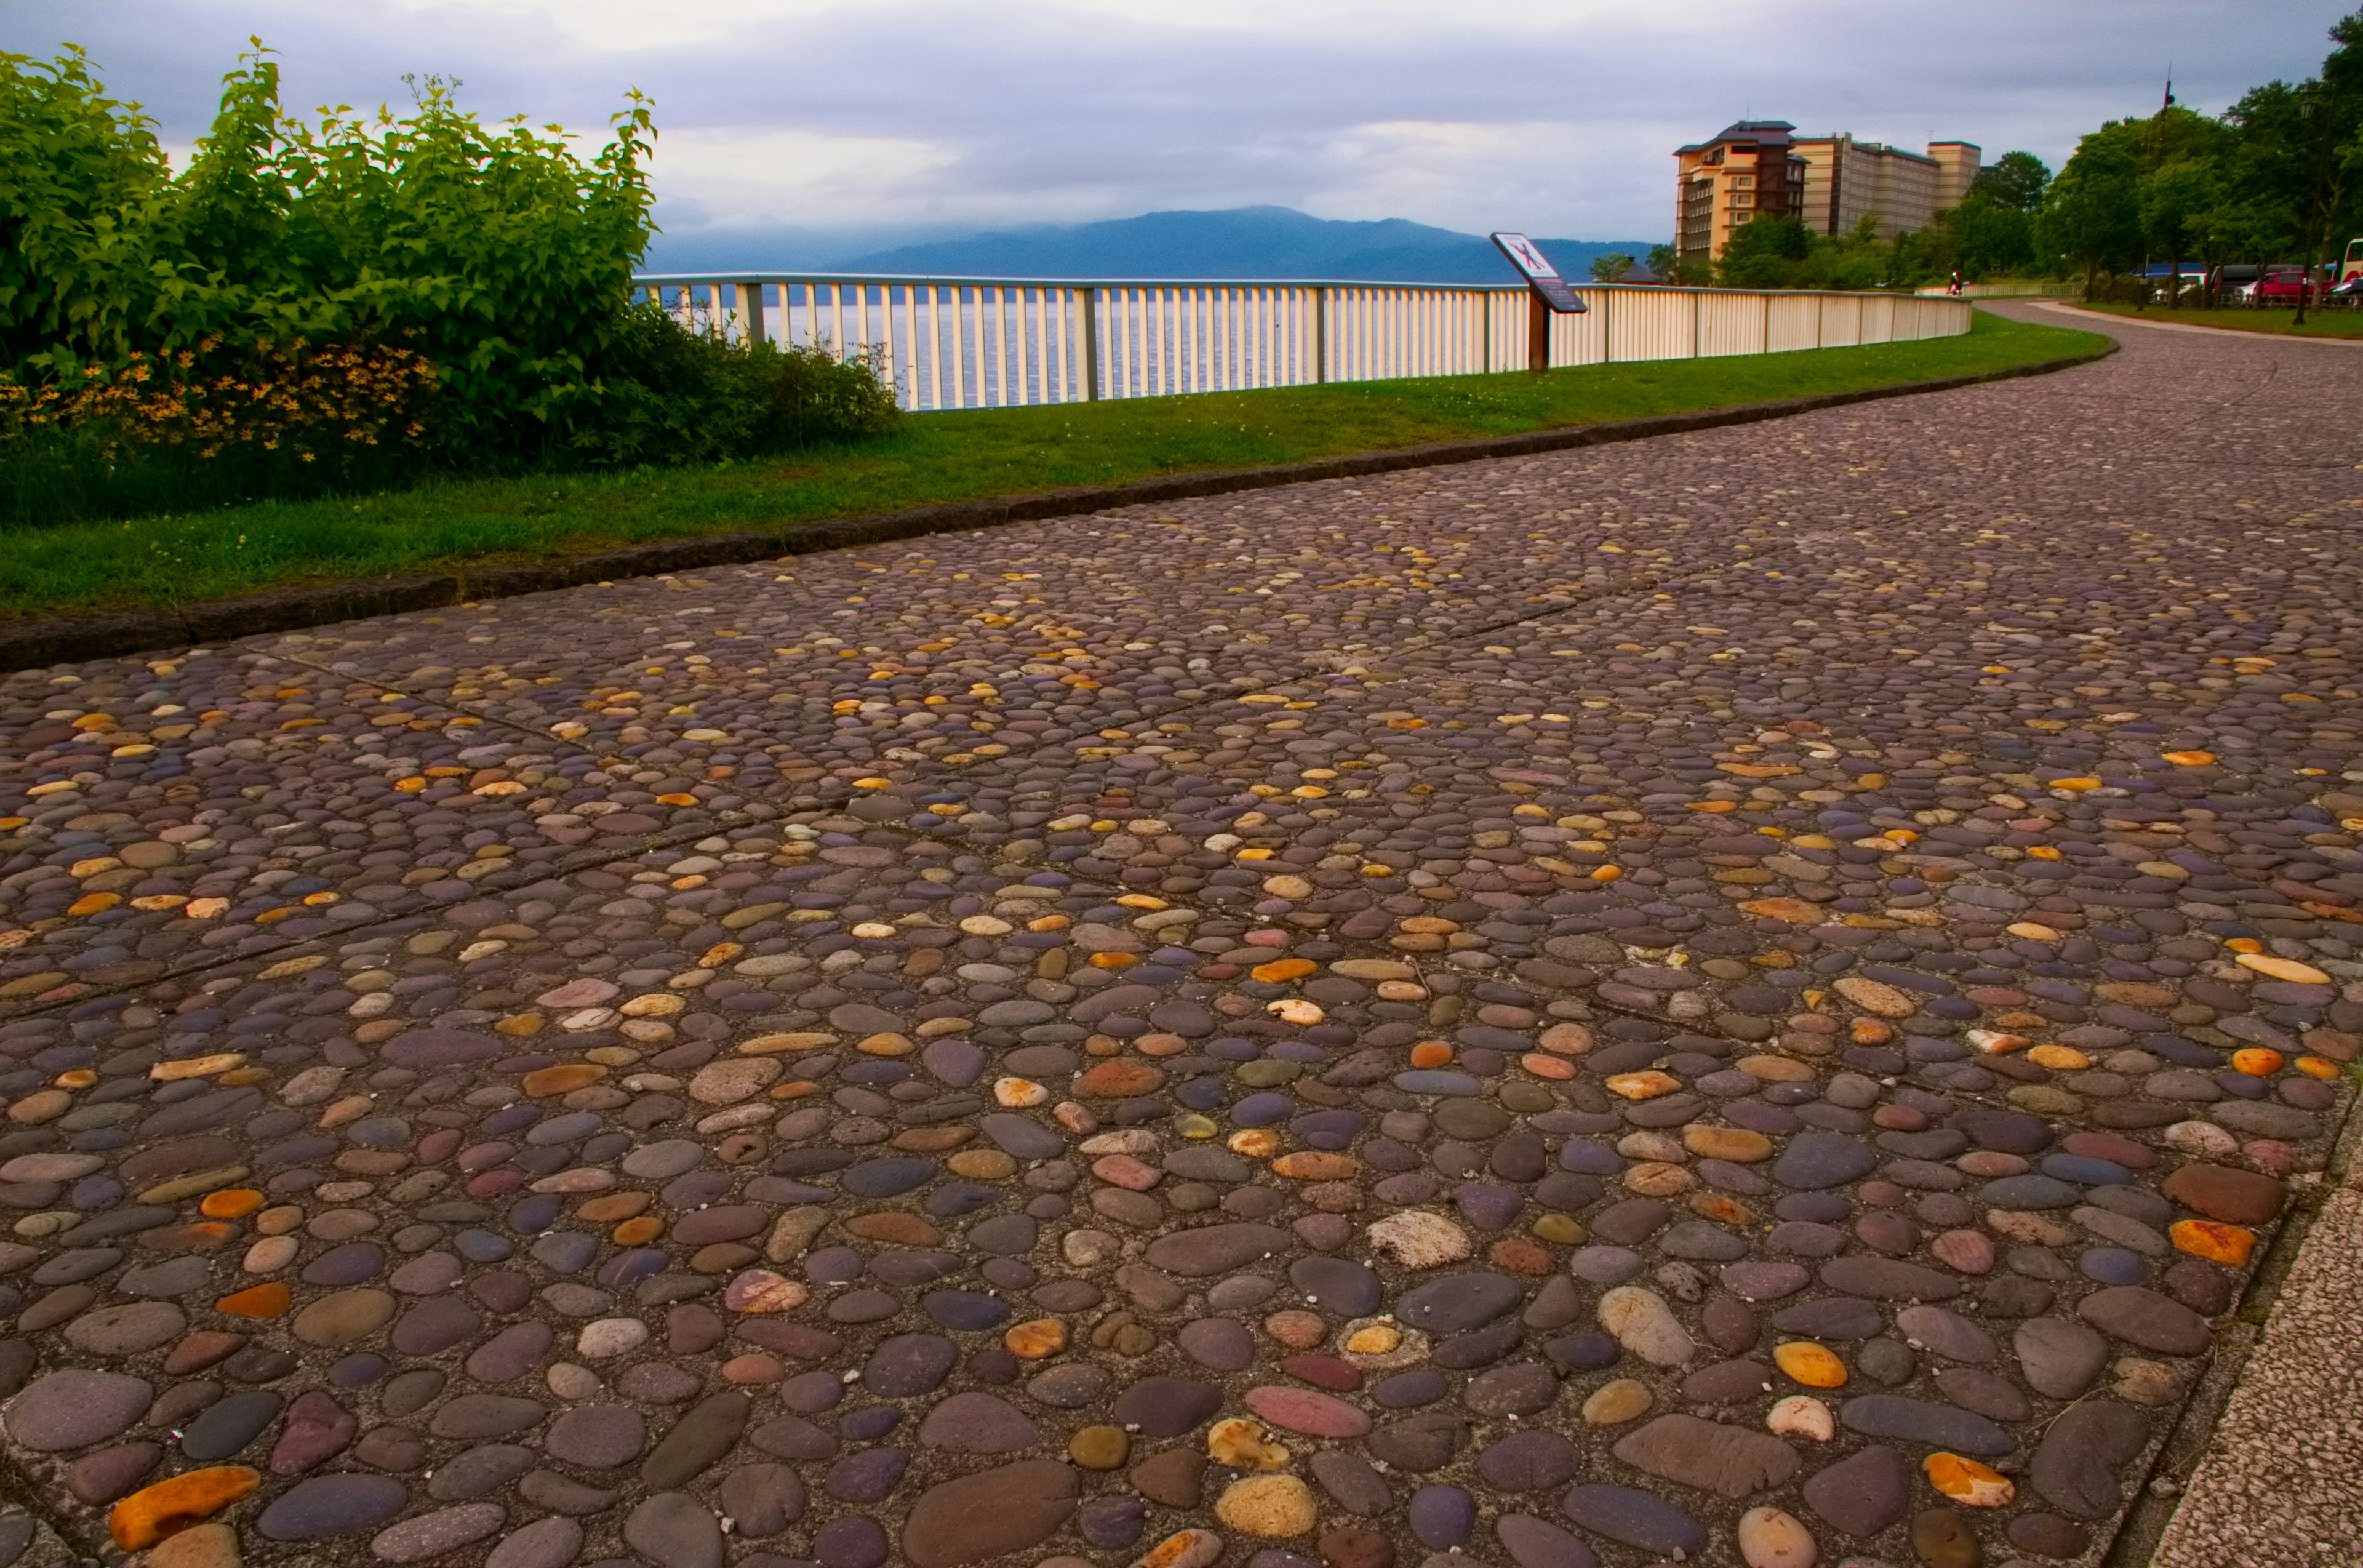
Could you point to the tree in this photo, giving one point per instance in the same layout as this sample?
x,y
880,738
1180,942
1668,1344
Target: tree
x,y
1992,233
2015,180
2092,214
2175,197
1764,252
1615,269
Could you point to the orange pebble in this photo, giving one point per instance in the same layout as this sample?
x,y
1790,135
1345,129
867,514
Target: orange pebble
x,y
1283,969
231,1203
1811,1364
147,1515
2320,1067
1542,1066
267,1300
637,1232
1035,1340
1430,1053
1114,960
2256,1061
1968,1483
561,1079
1313,1165
2214,1240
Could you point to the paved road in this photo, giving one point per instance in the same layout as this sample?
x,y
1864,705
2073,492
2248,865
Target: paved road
x,y
1583,1008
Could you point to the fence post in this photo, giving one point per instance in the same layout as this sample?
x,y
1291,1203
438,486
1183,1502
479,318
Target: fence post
x,y
1090,300
1488,298
750,310
1539,326
1698,321
1320,334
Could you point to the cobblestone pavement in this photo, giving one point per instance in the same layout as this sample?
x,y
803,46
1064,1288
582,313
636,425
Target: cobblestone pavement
x,y
1740,997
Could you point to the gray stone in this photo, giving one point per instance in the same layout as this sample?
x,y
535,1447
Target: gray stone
x,y
1214,1249
975,1518
1862,1493
675,1530
325,1506
1635,1519
2059,1357
977,1422
1918,1421
75,1409
1732,1461
2075,1470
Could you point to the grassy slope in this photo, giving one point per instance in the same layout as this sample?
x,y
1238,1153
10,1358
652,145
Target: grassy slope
x,y
934,458
2339,321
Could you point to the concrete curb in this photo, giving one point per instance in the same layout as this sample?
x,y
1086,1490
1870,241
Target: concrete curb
x,y
53,640
2082,312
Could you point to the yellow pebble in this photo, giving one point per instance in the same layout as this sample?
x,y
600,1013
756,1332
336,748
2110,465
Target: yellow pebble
x,y
1811,1364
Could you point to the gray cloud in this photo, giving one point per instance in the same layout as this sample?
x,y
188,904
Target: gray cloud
x,y
906,116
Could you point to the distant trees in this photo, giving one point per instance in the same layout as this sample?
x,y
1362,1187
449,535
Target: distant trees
x,y
1992,231
1991,234
2277,177
1614,268
2274,179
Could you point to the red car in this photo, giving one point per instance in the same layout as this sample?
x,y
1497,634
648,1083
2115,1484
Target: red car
x,y
2281,285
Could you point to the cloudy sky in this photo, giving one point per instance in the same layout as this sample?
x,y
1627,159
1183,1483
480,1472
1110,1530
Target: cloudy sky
x,y
875,119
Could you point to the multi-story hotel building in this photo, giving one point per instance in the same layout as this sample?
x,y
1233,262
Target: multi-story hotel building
x,y
1832,182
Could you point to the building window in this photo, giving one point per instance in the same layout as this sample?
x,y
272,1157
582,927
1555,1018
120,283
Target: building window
x,y
1743,180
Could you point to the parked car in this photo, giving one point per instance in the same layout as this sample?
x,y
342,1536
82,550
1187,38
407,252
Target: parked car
x,y
2281,285
2232,279
2349,292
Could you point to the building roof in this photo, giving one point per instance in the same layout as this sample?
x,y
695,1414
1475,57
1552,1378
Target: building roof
x,y
1762,133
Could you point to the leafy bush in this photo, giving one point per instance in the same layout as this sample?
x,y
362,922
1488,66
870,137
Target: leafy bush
x,y
346,302
492,250
669,394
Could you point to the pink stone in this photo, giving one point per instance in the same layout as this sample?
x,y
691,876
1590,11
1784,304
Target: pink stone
x,y
2271,1156
1965,1250
1124,1171
1303,1410
753,1368
589,991
761,1290
1990,1162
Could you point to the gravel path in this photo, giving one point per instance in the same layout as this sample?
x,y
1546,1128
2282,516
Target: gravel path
x,y
1737,998
2279,1486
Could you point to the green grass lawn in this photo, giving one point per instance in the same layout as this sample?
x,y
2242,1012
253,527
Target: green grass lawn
x,y
2338,321
934,458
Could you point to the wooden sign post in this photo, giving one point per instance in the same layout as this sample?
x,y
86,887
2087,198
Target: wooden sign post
x,y
1547,294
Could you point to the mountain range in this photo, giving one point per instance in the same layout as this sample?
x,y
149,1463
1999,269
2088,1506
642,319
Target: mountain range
x,y
1243,242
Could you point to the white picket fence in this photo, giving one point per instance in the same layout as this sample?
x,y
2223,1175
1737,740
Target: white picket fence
x,y
1004,342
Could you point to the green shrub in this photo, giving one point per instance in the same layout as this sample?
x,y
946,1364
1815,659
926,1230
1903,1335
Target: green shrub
x,y
669,394
172,343
491,250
